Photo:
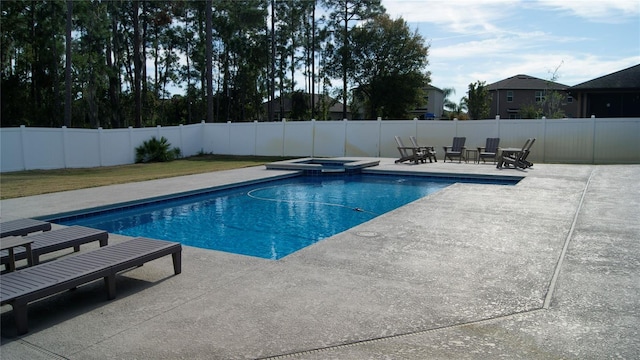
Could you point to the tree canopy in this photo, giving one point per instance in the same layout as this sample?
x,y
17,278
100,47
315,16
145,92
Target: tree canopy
x,y
122,63
478,101
390,69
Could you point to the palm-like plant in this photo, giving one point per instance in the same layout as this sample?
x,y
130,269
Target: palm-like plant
x,y
452,109
155,150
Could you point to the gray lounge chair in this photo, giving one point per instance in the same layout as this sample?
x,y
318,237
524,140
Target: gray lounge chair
x,y
50,241
515,159
525,162
409,153
21,227
456,150
21,287
428,151
490,150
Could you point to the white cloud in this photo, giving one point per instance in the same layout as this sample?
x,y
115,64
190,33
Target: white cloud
x,y
606,11
462,17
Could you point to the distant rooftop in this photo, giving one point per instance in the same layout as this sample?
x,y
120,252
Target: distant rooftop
x,y
525,82
624,79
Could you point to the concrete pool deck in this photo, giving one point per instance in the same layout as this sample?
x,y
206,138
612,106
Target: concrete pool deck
x,y
546,269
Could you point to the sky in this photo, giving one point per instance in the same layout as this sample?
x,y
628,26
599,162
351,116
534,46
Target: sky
x,y
491,40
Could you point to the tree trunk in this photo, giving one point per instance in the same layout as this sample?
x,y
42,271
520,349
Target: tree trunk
x,y
209,51
137,63
67,69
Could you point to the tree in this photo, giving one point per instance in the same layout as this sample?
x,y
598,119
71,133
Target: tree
x,y
209,57
478,101
552,100
67,67
390,71
343,12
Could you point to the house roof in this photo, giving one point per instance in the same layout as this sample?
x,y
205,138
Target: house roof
x,y
431,87
624,79
525,82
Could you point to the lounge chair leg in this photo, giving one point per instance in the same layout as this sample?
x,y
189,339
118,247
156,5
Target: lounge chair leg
x,y
177,262
20,315
110,283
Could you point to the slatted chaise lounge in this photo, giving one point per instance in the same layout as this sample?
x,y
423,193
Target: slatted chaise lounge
x,y
50,241
22,227
21,287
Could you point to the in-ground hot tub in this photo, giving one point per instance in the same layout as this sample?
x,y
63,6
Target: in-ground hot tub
x,y
323,165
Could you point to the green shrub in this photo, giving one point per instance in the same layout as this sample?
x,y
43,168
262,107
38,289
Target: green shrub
x,y
155,150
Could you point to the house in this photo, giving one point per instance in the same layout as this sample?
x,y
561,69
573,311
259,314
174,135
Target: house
x,y
297,106
613,95
509,97
433,106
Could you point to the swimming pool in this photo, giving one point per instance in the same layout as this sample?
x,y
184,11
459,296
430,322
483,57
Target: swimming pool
x,y
270,219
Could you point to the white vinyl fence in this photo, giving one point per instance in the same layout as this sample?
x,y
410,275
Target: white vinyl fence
x,y
579,141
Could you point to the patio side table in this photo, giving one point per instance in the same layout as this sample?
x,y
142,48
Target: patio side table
x,y
473,152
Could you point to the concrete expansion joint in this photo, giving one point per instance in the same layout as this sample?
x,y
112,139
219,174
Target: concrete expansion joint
x,y
563,253
37,349
399,336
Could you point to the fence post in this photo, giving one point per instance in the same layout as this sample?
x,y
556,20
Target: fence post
x,y
284,133
203,137
345,122
23,144
255,137
313,137
379,120
65,155
132,150
100,147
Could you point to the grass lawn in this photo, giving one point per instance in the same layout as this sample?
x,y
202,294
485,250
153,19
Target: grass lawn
x,y
36,182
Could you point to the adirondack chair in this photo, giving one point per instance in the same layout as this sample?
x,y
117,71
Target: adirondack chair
x,y
515,158
456,150
428,151
408,153
490,150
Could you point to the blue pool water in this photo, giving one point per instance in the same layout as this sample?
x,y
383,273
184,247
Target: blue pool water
x,y
270,219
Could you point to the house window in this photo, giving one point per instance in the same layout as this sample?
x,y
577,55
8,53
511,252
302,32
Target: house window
x,y
539,96
569,99
509,96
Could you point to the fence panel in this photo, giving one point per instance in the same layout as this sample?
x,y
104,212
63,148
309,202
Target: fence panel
x,y
389,129
514,133
329,138
568,141
269,141
362,138
298,137
600,141
477,132
81,147
11,154
616,141
436,133
43,148
191,139
116,147
242,139
218,137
